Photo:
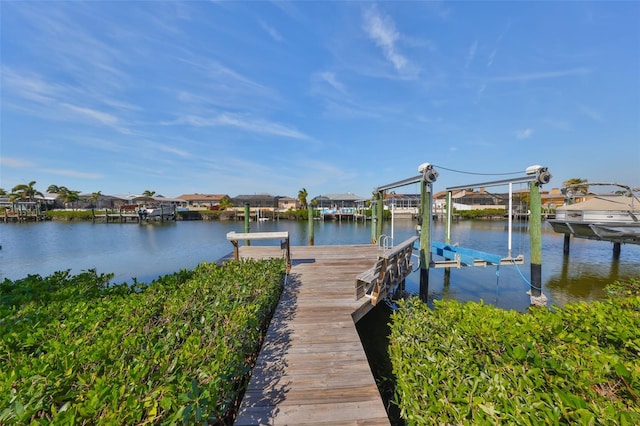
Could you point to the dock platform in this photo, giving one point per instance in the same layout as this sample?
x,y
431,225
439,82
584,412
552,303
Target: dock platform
x,y
312,368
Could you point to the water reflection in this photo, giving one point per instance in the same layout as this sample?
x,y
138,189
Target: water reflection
x,y
147,251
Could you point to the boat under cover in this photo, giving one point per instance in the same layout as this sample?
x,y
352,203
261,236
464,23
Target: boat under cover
x,y
614,218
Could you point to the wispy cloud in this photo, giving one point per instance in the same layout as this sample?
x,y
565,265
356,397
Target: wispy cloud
x,y
494,52
350,110
330,79
16,163
471,54
224,86
245,123
171,150
543,75
99,116
590,112
382,30
524,134
271,31
28,86
492,56
73,173
557,124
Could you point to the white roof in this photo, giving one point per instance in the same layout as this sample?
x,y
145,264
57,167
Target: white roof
x,y
605,202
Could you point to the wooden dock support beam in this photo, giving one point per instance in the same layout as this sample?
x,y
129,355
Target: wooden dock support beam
x,y
374,219
425,238
535,237
379,214
310,224
447,232
247,218
616,250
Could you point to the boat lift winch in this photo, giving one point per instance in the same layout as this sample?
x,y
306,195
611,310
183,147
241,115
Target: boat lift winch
x,y
455,256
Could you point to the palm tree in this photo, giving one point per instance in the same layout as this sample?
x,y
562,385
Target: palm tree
x,y
302,198
54,189
2,192
148,193
225,203
70,197
66,195
94,197
25,192
575,186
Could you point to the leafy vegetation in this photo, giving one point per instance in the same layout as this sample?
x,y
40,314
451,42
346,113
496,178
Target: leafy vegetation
x,y
65,195
477,364
76,349
70,214
479,214
624,288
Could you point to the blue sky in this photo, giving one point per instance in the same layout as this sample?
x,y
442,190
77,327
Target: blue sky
x,y
271,97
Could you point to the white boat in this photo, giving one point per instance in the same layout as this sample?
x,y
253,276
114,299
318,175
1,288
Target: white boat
x,y
614,218
261,218
161,210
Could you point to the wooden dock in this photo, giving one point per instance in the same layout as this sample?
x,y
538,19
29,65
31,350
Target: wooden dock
x,y
312,368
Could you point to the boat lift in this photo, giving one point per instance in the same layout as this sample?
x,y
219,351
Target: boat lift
x,y
455,256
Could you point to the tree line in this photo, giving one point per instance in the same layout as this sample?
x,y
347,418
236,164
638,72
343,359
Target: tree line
x,y
27,192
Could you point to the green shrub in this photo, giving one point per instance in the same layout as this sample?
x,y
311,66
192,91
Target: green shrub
x,y
70,214
480,214
624,288
477,364
79,350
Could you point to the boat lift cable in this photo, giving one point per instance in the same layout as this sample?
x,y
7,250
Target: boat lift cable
x,y
476,173
525,279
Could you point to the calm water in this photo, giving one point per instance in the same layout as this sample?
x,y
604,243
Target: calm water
x,y
149,250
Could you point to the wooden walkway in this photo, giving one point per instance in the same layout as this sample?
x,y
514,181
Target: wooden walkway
x,y
312,369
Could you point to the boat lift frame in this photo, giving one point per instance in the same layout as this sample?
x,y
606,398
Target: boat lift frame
x,y
457,256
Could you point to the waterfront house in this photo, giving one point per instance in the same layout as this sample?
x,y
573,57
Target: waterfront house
x,y
339,201
286,203
203,201
255,201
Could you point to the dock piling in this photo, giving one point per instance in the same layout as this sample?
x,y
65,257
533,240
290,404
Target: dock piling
x,y
535,236
425,238
247,218
310,224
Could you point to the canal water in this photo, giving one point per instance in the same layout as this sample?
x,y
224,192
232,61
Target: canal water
x,y
146,251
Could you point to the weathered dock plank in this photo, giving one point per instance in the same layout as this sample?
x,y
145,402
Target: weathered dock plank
x,y
312,369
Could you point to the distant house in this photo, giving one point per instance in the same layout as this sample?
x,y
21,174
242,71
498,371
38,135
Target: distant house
x,y
476,200
102,202
468,199
339,201
256,200
120,201
202,201
286,203
402,201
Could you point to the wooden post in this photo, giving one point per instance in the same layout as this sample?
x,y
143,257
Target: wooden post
x,y
425,239
374,219
310,224
616,250
246,222
379,214
447,234
535,237
565,247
